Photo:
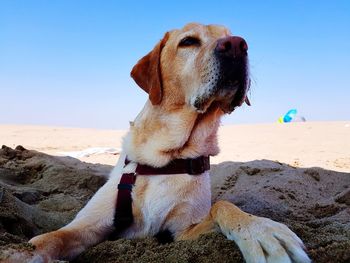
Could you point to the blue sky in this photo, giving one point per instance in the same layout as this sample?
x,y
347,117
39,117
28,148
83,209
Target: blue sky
x,y
67,63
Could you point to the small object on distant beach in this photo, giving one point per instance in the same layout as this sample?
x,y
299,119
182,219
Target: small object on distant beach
x,y
91,151
291,116
347,125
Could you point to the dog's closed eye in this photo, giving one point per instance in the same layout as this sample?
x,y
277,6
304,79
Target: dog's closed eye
x,y
189,41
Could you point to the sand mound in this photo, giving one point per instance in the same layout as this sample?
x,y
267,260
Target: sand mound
x,y
39,193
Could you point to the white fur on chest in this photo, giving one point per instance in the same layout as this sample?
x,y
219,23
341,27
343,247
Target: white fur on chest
x,y
164,195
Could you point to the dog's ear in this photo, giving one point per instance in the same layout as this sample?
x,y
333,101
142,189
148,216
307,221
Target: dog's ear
x,y
147,72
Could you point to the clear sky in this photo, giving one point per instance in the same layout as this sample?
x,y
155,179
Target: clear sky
x,y
67,63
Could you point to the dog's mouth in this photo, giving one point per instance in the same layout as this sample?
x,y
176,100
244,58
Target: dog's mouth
x,y
232,96
230,90
232,87
233,84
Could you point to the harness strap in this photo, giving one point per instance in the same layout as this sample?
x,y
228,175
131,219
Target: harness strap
x,y
123,217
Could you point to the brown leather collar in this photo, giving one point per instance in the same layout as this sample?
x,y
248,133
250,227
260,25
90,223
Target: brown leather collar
x,y
195,166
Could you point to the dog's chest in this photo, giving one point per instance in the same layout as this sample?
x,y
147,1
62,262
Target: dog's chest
x,y
170,202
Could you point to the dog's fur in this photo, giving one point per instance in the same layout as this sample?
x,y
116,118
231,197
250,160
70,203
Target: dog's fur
x,y
180,120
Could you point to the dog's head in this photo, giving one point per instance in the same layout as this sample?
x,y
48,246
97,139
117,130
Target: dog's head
x,y
197,65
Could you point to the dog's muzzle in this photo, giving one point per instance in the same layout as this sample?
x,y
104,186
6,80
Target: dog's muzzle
x,y
232,86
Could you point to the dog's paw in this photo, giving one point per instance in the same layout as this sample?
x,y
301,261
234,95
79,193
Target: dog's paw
x,y
264,240
15,255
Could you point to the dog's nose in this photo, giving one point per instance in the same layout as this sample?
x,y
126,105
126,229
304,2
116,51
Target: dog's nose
x,y
231,47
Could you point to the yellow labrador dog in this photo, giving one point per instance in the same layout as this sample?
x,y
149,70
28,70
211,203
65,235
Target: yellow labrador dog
x,y
193,76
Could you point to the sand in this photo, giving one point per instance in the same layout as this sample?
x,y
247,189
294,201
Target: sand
x,y
297,174
309,144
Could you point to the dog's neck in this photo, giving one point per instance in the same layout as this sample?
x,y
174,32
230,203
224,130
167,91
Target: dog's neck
x,y
158,136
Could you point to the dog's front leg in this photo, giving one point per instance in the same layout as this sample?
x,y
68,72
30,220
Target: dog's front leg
x,y
259,239
92,225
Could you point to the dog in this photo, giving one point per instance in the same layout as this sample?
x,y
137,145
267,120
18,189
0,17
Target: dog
x,y
193,76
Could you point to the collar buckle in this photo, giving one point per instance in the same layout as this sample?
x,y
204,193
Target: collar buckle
x,y
198,165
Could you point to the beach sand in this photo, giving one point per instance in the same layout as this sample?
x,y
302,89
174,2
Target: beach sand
x,y
297,173
303,144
